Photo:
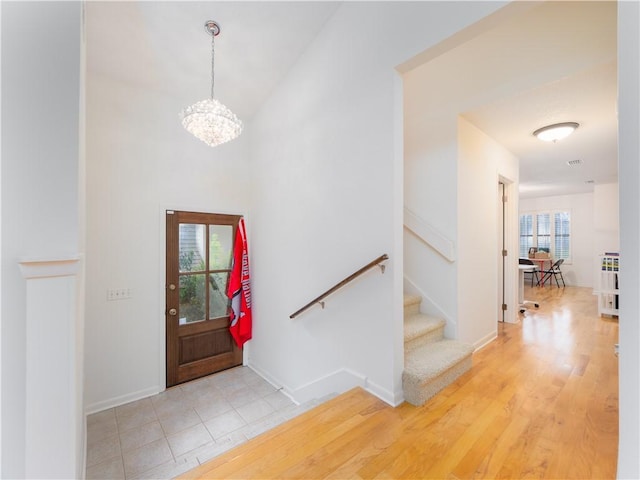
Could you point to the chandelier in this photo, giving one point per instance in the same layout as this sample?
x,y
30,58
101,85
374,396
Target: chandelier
x,y
209,120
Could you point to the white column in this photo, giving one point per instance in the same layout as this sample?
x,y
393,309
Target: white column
x,y
51,382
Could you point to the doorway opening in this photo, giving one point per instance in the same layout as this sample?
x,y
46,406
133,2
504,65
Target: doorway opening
x,y
199,249
502,253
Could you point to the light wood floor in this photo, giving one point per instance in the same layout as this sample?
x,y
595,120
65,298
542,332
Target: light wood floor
x,y
541,401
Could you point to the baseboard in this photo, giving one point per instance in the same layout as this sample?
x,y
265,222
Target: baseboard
x,y
392,398
427,233
276,383
117,401
337,382
484,341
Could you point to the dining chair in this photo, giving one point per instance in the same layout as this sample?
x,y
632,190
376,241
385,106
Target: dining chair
x,y
555,272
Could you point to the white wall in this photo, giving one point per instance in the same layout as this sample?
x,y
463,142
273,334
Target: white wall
x,y
606,218
43,187
41,44
322,151
326,202
580,271
482,162
629,181
449,80
451,177
465,290
606,223
430,179
141,162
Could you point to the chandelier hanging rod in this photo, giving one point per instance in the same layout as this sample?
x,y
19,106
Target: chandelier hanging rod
x,y
213,29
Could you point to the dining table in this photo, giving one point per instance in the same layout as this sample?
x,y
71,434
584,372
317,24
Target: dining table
x,y
541,262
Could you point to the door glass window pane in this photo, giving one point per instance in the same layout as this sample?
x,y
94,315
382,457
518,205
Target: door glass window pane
x,y
218,301
220,247
191,247
192,298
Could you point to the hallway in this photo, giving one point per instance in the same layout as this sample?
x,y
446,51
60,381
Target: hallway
x,y
541,401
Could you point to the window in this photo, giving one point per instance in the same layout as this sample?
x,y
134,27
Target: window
x,y
548,231
562,229
526,234
543,232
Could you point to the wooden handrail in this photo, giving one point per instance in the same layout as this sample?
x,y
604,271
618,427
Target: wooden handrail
x,y
341,284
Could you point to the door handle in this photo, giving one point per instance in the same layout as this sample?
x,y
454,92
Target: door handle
x,y
172,311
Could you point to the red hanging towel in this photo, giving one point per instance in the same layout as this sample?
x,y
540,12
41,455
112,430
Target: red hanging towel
x,y
239,289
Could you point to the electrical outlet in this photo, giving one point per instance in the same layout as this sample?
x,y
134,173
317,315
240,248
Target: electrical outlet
x,y
119,293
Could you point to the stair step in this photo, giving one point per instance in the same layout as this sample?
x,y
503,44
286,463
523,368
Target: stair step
x,y
411,304
420,329
430,368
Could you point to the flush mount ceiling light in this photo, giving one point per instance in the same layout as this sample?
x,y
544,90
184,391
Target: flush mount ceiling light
x,y
209,120
555,132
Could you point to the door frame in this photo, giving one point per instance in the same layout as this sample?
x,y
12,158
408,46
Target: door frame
x,y
202,335
502,245
161,359
511,242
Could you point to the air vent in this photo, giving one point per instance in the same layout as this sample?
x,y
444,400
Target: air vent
x,y
574,163
589,181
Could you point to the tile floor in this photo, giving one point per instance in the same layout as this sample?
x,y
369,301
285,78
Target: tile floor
x,y
170,433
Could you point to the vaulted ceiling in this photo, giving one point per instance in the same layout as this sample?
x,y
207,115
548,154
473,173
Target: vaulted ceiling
x,y
571,45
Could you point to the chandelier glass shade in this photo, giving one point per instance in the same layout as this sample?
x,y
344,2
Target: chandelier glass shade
x,y
209,120
212,122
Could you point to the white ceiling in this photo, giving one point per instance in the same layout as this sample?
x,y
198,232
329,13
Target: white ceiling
x,y
553,64
164,46
588,98
562,68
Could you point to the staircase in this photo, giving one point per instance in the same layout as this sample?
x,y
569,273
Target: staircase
x,y
431,362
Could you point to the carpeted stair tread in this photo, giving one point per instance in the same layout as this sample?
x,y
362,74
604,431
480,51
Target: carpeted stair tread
x,y
431,360
411,304
432,367
420,324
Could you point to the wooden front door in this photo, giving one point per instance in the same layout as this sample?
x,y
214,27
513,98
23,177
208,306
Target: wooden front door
x,y
199,252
